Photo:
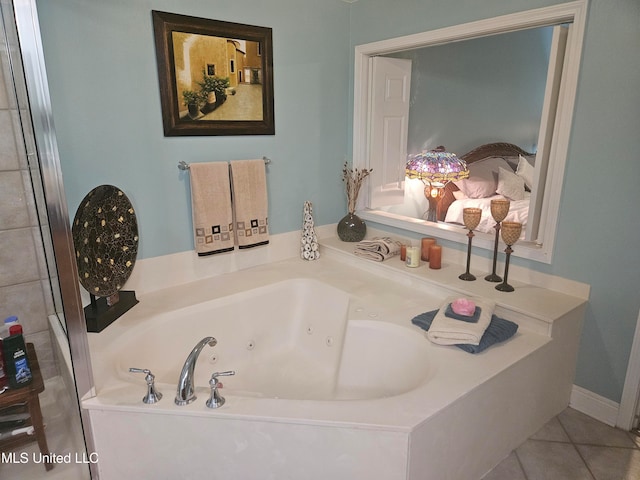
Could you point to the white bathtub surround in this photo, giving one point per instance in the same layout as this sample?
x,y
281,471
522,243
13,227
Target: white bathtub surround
x,y
151,274
398,406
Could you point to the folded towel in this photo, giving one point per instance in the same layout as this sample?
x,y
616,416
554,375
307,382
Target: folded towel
x,y
377,249
250,204
464,318
449,331
211,208
498,331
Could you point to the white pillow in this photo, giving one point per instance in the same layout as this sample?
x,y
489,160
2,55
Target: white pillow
x,y
483,177
510,185
525,170
459,195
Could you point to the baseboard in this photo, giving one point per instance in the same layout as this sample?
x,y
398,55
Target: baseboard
x,y
594,405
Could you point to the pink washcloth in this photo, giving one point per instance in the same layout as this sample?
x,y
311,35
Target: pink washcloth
x,y
463,306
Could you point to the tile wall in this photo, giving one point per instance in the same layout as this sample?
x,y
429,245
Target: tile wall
x,y
25,288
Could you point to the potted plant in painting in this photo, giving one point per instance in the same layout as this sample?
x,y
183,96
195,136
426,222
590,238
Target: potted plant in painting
x,y
192,101
214,91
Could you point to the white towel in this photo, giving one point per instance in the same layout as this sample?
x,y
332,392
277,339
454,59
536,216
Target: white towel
x,y
377,249
449,331
250,203
211,207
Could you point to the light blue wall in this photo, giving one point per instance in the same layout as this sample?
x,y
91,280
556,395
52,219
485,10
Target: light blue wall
x,y
599,217
102,72
489,89
101,64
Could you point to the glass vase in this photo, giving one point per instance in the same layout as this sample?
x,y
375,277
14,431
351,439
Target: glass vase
x,y
351,228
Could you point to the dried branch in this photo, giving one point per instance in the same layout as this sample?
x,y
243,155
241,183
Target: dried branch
x,y
353,179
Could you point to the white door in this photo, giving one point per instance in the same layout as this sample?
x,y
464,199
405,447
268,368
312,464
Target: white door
x,y
391,81
537,215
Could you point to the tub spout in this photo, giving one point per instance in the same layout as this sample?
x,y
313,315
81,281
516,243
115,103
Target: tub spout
x,y
185,393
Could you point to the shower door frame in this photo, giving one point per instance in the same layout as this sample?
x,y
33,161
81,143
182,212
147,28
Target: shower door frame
x,y
30,41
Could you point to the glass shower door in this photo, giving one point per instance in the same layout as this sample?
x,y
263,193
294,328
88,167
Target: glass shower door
x,y
30,283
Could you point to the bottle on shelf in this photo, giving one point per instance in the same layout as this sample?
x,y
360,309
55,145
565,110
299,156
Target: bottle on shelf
x,y
16,368
11,322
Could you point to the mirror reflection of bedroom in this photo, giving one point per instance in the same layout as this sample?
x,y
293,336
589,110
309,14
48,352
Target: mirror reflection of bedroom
x,y
491,101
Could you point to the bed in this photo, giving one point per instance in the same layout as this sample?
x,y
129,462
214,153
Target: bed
x,y
497,170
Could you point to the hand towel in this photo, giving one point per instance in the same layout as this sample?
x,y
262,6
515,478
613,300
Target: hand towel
x,y
250,204
211,208
498,331
377,249
449,331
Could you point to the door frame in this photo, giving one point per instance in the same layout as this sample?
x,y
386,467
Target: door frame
x,y
628,411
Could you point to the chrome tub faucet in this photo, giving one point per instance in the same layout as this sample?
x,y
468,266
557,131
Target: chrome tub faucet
x,y
185,393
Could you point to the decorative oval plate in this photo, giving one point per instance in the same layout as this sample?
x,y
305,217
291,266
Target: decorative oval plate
x,y
105,235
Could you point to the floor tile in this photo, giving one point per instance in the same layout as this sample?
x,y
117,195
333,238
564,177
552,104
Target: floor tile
x,y
508,469
552,431
583,429
611,463
552,461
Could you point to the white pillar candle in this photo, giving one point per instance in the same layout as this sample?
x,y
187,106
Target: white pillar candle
x,y
413,257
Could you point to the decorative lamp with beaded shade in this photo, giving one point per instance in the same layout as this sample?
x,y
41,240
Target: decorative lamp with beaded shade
x,y
435,168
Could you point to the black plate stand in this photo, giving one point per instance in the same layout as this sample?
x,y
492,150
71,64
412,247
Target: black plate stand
x,y
99,315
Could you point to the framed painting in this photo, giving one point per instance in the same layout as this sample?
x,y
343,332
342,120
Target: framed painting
x,y
216,78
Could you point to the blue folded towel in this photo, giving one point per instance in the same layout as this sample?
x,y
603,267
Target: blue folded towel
x,y
465,318
498,331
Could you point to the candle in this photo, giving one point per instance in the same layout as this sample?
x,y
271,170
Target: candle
x,y
403,252
435,257
426,243
413,257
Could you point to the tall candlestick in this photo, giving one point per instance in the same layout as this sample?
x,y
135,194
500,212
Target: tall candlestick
x,y
499,211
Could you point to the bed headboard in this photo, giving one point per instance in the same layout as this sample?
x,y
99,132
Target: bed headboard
x,y
499,149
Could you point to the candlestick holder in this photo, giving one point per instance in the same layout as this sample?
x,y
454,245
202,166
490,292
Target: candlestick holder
x,y
471,218
510,235
499,211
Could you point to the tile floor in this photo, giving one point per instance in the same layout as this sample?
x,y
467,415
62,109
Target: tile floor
x,y
573,446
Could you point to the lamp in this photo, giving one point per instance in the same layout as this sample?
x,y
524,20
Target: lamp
x,y
435,168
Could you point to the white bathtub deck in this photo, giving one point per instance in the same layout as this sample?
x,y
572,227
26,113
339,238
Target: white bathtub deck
x,y
511,389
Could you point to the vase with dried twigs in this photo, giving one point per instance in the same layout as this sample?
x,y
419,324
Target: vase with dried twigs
x,y
352,228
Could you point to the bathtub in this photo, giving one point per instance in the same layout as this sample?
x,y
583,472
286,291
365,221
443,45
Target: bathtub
x,y
332,379
289,340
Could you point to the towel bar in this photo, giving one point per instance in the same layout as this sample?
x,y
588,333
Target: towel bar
x,y
182,165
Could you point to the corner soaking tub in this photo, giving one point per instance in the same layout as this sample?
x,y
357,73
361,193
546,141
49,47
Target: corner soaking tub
x,y
332,380
289,340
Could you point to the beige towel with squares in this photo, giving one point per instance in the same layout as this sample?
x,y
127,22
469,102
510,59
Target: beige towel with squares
x,y
250,204
211,208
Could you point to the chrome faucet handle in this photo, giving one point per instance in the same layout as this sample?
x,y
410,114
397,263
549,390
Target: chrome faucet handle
x,y
216,400
153,395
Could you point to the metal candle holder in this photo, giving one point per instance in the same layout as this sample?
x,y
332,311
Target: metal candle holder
x,y
471,218
499,211
510,235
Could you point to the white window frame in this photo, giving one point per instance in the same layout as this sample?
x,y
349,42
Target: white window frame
x,y
572,12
